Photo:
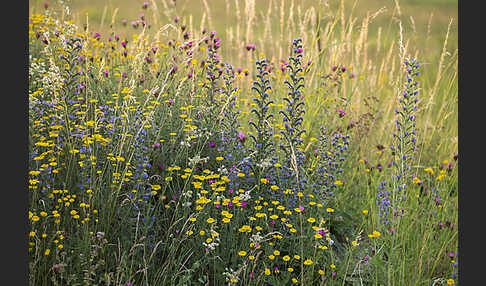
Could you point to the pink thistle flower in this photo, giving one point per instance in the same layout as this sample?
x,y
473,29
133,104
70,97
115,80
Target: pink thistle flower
x,y
242,137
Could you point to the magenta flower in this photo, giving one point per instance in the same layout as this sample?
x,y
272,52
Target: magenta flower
x,y
242,137
251,47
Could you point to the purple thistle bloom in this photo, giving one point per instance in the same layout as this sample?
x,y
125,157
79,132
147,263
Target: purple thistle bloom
x,y
242,137
56,267
145,5
251,47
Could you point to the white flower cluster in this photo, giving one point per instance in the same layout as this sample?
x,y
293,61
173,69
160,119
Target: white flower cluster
x,y
53,81
196,160
232,277
213,244
36,69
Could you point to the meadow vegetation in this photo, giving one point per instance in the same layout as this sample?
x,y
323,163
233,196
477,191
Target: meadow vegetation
x,y
243,143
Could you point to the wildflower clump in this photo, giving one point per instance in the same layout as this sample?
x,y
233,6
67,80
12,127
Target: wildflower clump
x,y
151,155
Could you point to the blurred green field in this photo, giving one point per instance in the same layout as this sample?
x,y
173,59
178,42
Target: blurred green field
x,y
425,22
417,16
